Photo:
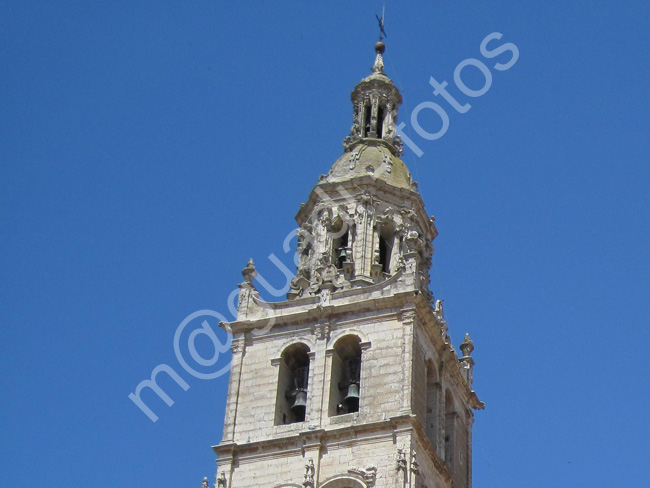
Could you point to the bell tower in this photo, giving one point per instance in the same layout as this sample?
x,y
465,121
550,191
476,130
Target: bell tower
x,y
352,381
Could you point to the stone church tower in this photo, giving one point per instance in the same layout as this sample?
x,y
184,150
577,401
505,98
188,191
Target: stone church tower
x,y
352,382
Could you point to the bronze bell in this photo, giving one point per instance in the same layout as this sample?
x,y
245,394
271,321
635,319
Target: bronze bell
x,y
351,400
299,392
342,257
300,404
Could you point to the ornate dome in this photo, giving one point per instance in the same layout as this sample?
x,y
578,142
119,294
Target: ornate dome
x,y
372,158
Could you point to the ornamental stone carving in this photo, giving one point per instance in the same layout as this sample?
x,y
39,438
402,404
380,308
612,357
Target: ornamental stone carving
x,y
221,480
401,460
415,467
369,474
310,471
412,241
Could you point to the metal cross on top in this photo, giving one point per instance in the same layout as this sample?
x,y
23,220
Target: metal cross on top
x,y
382,32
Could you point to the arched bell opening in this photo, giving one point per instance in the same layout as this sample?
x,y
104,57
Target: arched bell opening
x,y
293,383
345,389
450,429
432,399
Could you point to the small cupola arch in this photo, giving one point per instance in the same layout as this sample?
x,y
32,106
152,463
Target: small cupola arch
x,y
341,250
386,245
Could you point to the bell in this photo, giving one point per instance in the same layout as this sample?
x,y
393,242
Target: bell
x,y
351,399
300,404
342,257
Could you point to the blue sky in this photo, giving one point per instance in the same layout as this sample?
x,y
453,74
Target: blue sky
x,y
149,149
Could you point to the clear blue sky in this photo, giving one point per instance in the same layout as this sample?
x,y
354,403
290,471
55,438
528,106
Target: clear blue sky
x,y
148,149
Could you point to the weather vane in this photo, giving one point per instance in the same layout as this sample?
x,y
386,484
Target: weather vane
x,y
382,32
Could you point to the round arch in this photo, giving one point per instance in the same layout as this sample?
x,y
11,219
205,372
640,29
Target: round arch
x,y
307,341
343,481
431,368
347,332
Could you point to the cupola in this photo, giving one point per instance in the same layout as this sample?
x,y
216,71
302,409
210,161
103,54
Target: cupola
x,y
375,102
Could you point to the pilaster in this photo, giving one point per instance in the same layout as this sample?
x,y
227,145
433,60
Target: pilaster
x,y
408,322
237,347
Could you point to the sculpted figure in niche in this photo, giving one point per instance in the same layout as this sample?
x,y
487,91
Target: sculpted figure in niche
x,y
354,130
325,217
439,310
391,117
316,282
304,248
412,241
401,263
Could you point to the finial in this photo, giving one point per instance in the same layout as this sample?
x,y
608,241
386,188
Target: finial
x,y
249,272
378,67
380,47
467,346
